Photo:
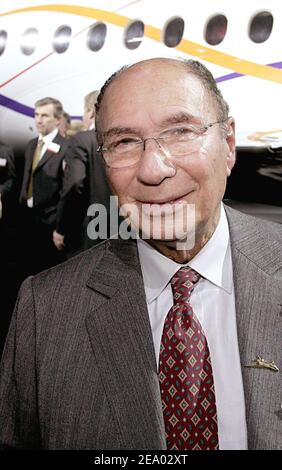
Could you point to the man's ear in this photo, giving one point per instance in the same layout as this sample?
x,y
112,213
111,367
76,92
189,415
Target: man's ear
x,y
231,144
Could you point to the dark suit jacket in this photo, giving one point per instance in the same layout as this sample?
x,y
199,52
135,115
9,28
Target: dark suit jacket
x,y
7,171
79,369
8,186
84,183
47,180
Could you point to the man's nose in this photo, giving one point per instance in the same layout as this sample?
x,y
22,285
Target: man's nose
x,y
155,164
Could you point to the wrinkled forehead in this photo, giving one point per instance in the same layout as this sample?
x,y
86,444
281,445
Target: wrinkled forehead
x,y
154,89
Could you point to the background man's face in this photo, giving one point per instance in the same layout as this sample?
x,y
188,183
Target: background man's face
x,y
88,118
63,126
142,100
45,120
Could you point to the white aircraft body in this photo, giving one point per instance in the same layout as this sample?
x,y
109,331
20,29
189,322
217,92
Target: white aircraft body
x,y
66,48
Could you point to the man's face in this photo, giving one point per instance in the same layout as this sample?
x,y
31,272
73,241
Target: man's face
x,y
63,126
88,118
45,120
143,102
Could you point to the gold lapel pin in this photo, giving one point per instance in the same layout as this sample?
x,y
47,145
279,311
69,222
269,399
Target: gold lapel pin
x,y
260,363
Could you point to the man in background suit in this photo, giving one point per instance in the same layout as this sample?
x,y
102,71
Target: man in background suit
x,y
41,186
10,279
64,124
7,175
9,194
84,183
102,349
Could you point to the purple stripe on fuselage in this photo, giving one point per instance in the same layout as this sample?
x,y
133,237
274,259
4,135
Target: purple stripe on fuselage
x,y
16,106
230,76
22,108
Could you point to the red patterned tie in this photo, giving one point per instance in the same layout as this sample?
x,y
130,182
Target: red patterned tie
x,y
185,373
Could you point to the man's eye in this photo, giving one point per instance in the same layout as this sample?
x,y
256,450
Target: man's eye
x,y
125,142
183,133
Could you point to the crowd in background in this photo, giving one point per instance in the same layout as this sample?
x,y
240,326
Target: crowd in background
x,y
43,208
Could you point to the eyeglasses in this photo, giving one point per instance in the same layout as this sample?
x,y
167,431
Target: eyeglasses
x,y
176,142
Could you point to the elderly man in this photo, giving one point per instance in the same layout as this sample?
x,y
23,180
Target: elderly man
x,y
170,342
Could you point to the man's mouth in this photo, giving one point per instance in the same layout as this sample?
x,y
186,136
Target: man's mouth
x,y
163,206
162,202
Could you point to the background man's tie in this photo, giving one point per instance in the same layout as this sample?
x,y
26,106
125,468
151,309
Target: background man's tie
x,y
185,373
36,158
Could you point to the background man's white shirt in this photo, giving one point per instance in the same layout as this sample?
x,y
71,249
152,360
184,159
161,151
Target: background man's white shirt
x,y
47,139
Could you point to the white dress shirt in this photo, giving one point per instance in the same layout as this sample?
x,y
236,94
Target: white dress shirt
x,y
47,139
213,302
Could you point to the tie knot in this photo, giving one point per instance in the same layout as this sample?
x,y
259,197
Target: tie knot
x,y
183,283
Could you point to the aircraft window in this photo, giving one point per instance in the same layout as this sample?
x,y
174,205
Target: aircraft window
x,y
61,40
3,40
261,26
29,39
216,30
173,32
96,36
133,34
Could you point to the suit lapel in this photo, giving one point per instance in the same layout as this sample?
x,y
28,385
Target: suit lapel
x,y
258,297
29,156
48,154
122,344
27,168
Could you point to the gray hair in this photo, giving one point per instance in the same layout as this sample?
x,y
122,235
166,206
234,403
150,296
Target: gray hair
x,y
193,67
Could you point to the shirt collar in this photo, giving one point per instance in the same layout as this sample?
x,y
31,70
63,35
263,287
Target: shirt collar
x,y
49,137
213,262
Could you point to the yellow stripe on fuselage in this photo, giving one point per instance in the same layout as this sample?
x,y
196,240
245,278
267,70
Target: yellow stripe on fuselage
x,y
208,54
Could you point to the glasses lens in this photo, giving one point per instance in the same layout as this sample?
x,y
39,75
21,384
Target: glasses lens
x,y
116,160
181,140
181,148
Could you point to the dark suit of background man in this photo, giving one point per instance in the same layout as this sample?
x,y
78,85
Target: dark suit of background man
x,y
84,183
113,349
7,178
42,182
9,275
